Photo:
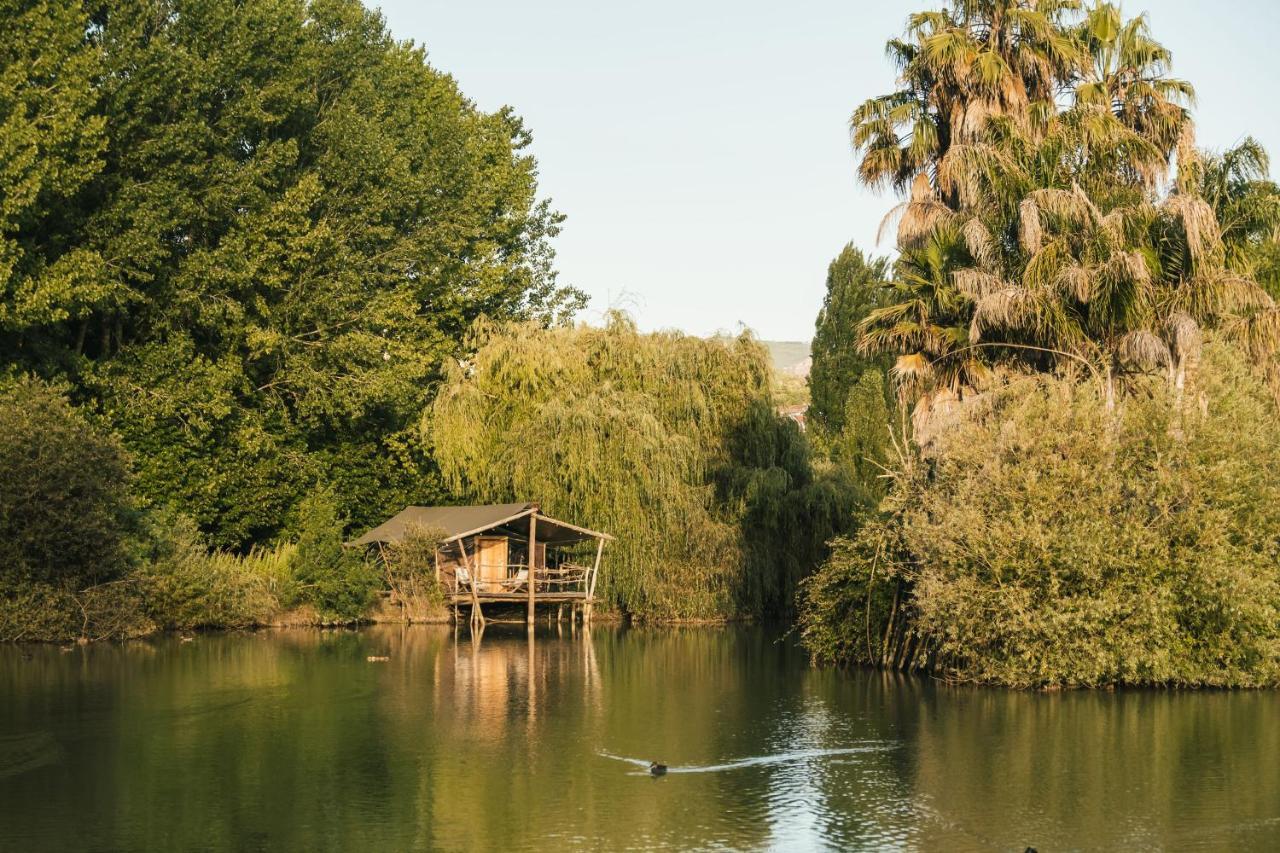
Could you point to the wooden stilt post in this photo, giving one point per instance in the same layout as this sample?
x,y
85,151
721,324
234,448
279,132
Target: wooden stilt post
x,y
477,615
591,586
533,563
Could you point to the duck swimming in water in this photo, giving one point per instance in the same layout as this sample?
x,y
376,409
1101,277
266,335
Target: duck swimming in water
x,y
656,769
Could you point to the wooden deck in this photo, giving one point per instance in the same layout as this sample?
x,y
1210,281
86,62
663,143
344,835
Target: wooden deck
x,y
495,597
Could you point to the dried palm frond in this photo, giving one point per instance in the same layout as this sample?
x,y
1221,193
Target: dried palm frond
x,y
977,284
921,189
911,373
1075,281
1030,231
1007,308
918,216
977,239
974,117
1129,267
967,169
1144,350
1184,334
1218,294
1199,223
1259,332
1071,205
1190,161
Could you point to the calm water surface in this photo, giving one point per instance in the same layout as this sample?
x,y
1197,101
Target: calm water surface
x,y
292,740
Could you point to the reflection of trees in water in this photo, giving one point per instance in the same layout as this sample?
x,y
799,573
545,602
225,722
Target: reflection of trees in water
x,y
1137,769
292,740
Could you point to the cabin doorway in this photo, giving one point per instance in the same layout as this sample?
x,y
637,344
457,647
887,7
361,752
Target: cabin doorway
x,y
491,562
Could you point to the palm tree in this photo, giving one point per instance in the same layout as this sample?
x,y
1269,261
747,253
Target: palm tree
x,y
1031,244
1236,184
957,69
925,322
1126,72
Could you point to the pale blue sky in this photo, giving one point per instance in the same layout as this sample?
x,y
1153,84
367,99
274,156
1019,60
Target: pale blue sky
x,y
699,148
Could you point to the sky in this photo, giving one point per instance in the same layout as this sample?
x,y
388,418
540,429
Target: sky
x,y
700,149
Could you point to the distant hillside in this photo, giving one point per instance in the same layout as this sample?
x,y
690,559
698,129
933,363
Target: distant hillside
x,y
790,357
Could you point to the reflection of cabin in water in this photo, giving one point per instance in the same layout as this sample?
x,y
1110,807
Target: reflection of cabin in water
x,y
483,555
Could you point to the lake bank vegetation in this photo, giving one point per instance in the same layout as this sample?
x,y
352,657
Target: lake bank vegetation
x,y
84,558
267,277
241,240
242,247
670,442
1081,327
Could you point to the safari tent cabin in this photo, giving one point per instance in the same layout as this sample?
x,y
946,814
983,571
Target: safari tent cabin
x,y
486,552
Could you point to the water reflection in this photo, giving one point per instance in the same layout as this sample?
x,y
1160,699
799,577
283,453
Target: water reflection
x,y
295,740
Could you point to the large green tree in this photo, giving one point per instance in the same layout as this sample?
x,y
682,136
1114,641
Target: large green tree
x,y
250,235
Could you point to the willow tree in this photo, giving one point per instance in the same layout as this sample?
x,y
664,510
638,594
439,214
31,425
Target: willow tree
x,y
667,441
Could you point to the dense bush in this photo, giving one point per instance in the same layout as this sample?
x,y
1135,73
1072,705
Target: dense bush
x,y
65,508
185,585
338,582
1051,540
409,569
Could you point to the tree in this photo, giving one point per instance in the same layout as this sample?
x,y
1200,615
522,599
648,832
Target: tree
x,y
854,287
1126,71
1052,242
336,581
1237,185
285,222
958,68
51,144
668,442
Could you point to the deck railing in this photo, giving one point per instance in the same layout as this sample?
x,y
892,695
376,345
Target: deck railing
x,y
563,578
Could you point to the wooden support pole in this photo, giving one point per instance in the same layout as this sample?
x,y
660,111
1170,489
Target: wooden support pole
x,y
477,615
533,563
591,587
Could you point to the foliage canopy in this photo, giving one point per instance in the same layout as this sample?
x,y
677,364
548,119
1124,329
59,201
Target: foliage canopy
x,y
248,233
1054,541
669,442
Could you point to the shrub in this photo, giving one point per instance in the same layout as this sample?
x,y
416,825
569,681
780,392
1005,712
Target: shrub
x,y
64,490
409,567
336,581
187,586
1053,541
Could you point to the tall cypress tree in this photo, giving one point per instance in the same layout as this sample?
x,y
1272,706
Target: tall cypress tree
x,y
854,282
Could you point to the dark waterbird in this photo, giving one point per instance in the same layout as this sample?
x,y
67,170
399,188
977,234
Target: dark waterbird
x,y
656,769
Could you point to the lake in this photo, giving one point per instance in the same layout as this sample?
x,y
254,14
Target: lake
x,y
294,740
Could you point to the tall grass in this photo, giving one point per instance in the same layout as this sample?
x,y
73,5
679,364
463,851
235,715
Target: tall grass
x,y
185,586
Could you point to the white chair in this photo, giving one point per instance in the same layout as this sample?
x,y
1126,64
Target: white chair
x,y
516,581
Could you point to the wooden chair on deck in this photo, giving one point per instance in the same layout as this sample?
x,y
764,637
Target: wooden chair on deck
x,y
516,582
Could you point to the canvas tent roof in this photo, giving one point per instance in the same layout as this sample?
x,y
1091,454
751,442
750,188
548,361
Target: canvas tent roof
x,y
458,522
